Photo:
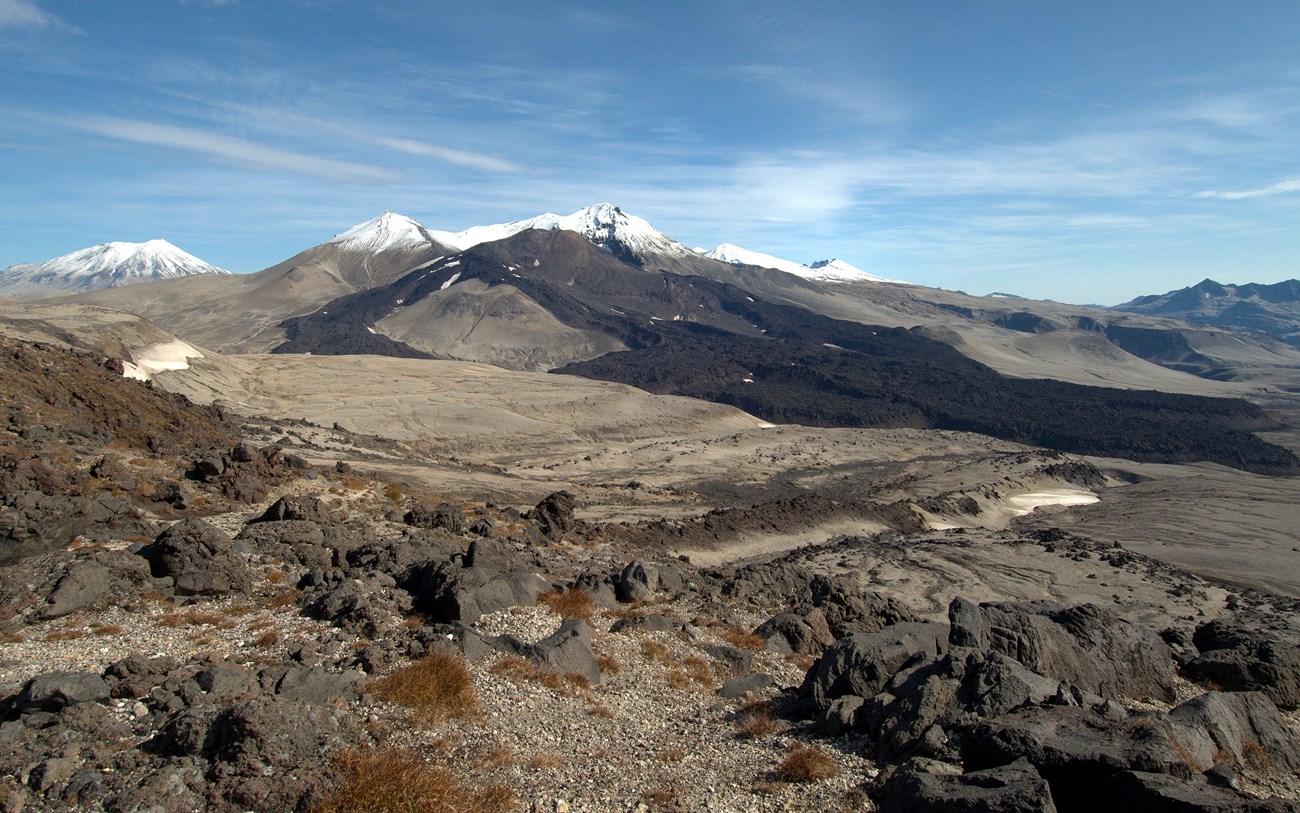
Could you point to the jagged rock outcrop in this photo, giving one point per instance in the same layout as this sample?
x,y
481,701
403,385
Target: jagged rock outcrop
x,y
1240,657
200,560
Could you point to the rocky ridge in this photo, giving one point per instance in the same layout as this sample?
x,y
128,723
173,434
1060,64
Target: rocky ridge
x,y
249,640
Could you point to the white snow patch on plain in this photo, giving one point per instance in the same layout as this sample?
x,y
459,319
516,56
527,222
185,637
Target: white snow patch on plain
x,y
450,281
1021,504
158,358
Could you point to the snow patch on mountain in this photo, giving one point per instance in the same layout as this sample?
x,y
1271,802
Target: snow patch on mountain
x,y
387,232
107,265
821,271
603,224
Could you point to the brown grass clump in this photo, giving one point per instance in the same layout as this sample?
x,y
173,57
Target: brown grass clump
x,y
65,635
436,687
108,629
662,800
657,652
637,610
673,754
544,761
571,603
699,670
275,577
195,618
806,764
678,680
754,720
284,598
1256,757
609,665
268,638
602,711
744,640
498,756
397,781
12,638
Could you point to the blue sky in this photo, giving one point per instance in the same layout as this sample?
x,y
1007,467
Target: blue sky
x,y
1086,152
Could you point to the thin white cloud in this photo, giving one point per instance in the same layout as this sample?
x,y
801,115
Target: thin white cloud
x,y
281,120
26,14
232,150
870,101
458,157
1280,188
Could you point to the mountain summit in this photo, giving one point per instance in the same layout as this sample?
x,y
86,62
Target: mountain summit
x,y
387,232
821,271
108,265
627,237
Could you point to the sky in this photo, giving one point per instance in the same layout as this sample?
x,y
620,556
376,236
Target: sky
x,y
1083,152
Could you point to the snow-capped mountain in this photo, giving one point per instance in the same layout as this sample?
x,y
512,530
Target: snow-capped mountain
x,y
609,227
387,232
108,265
822,270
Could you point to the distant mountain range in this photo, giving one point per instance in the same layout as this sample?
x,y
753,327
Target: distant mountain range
x,y
603,294
107,265
1272,309
625,236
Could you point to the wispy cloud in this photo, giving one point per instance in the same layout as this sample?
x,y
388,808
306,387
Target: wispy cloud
x,y
1280,188
290,122
868,100
458,157
228,149
26,14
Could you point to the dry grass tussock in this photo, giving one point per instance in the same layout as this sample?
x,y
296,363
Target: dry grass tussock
x,y
744,640
754,720
804,763
436,687
398,781
571,603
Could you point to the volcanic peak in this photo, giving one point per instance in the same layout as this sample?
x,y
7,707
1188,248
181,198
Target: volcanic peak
x,y
107,265
387,232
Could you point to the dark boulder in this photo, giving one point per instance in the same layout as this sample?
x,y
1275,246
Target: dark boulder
x,y
1239,657
787,633
922,787
296,507
443,516
455,594
199,559
1084,645
638,581
94,579
56,691
1240,729
567,651
1076,750
1161,793
864,662
135,675
553,516
849,609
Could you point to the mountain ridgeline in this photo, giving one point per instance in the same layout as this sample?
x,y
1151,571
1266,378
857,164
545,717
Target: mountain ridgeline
x,y
1272,309
689,335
